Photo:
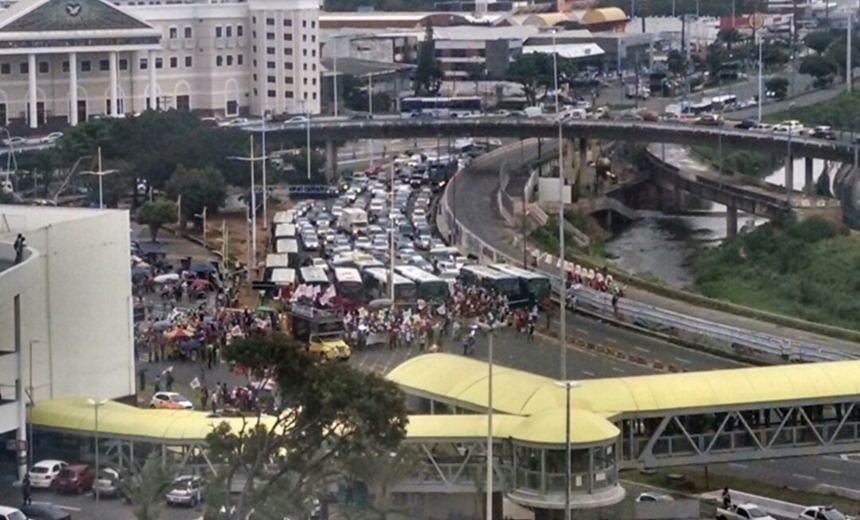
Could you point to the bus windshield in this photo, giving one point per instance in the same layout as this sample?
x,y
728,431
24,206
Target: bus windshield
x,y
405,291
349,285
437,290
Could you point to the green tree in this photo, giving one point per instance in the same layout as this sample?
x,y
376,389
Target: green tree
x,y
156,215
729,37
326,413
145,487
819,67
531,71
297,172
476,72
381,471
819,41
773,55
676,62
199,188
716,57
778,85
428,71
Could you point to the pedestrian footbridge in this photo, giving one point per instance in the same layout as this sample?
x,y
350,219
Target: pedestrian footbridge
x,y
632,422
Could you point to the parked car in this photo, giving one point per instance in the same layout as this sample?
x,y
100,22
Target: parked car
x,y
653,497
43,473
14,141
53,137
42,512
10,513
185,490
823,132
742,512
74,478
170,401
821,513
107,485
747,124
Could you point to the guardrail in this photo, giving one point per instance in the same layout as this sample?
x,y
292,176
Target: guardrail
x,y
636,312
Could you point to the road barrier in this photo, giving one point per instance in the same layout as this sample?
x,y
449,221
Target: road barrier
x,y
735,338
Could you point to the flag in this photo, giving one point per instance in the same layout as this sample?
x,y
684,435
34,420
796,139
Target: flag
x,y
328,295
195,384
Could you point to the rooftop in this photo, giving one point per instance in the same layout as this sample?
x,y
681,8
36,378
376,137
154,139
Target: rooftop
x,y
356,67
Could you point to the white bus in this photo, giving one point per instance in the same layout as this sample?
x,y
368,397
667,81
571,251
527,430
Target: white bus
x,y
441,106
283,276
534,287
376,286
284,231
431,288
349,286
284,217
720,103
314,276
488,278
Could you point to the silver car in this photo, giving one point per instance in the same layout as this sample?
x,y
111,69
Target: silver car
x,y
185,490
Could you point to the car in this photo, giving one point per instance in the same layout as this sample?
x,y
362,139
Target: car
x,y
311,242
53,137
710,120
319,262
74,478
823,132
821,513
361,117
792,126
14,141
742,512
297,119
43,473
747,124
185,490
422,241
328,348
362,242
654,497
170,401
41,512
107,485
11,513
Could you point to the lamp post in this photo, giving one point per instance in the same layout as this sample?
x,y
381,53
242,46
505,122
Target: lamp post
x,y
760,93
789,182
567,386
370,113
391,240
202,215
308,138
100,173
489,329
10,150
561,200
96,405
266,115
253,249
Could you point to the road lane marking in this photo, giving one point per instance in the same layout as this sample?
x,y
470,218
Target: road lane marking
x,y
617,369
682,360
831,471
737,465
587,373
804,477
643,349
612,340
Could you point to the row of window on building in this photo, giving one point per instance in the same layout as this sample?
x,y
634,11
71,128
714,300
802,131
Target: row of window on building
x,y
287,51
289,94
227,31
288,80
44,67
288,22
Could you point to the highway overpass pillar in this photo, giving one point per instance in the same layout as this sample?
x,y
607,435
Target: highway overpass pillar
x,y
731,220
809,177
789,173
330,160
583,181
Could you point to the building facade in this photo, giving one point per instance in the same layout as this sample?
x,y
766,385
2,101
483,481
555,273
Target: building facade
x,y
81,58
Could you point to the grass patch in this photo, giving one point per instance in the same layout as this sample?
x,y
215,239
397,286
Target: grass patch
x,y
739,162
546,237
841,112
809,270
694,483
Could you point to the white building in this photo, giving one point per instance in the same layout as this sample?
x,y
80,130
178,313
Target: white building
x,y
78,58
68,304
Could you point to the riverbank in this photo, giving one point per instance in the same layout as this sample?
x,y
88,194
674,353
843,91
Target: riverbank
x,y
839,113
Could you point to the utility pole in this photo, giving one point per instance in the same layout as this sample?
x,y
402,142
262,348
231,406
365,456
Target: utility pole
x,y
849,69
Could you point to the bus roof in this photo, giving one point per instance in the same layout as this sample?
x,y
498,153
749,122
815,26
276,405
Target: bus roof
x,y
346,274
283,276
518,271
285,231
286,245
417,274
311,274
486,272
277,260
441,98
381,274
284,217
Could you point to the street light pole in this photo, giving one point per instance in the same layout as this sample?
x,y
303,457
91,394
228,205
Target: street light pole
x,y
391,240
266,114
370,112
489,329
308,143
561,201
100,173
760,93
334,78
567,386
253,217
96,405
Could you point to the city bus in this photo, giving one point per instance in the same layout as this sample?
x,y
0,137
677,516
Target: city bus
x,y
430,287
280,231
488,278
284,217
314,276
720,103
376,286
441,106
534,286
349,286
290,248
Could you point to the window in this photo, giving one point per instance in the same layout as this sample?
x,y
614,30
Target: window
x,y
254,77
314,81
183,103
65,66
232,108
218,31
256,93
24,67
270,36
255,63
305,81
189,62
229,60
240,59
104,65
304,52
304,23
270,79
288,80
123,64
188,32
173,33
313,53
254,34
5,68
304,66
288,65
288,22
288,52
270,64
86,66
253,19
219,61
288,94
314,67
44,68
315,95
229,31
254,49
305,38
288,37
313,38
306,95
271,93
174,62
159,63
270,51
270,21
240,31
143,64
313,25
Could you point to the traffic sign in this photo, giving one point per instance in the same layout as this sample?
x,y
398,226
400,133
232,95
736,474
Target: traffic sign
x,y
755,21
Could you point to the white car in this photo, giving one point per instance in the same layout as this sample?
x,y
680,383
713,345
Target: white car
x,y
362,243
311,242
185,490
654,497
11,513
43,473
170,401
53,137
14,141
297,119
821,513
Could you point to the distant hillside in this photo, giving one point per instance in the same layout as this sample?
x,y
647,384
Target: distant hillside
x,y
378,5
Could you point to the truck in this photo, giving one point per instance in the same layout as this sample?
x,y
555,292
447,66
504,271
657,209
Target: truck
x,y
742,512
352,220
321,330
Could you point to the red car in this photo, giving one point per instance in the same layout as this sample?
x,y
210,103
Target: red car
x,y
75,478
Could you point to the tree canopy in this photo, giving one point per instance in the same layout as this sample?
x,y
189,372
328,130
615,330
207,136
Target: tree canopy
x,y
535,71
428,71
156,215
199,188
324,414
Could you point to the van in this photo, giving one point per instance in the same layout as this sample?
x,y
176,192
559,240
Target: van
x,y
533,111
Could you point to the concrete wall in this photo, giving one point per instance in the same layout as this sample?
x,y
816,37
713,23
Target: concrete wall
x,y
75,301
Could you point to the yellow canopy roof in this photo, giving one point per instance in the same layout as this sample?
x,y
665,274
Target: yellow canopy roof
x,y
544,428
457,379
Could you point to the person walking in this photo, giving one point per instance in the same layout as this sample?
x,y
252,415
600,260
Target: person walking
x,y
20,242
727,498
27,490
